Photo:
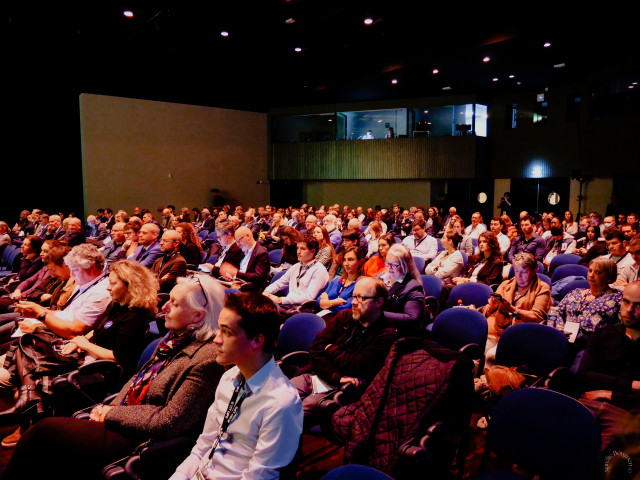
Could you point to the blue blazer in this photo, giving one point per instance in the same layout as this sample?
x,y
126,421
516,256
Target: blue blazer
x,y
148,257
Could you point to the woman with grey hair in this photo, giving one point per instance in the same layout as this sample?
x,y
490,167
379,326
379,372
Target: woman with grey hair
x,y
523,298
167,398
405,307
593,307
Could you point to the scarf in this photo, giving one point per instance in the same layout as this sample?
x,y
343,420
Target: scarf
x,y
166,350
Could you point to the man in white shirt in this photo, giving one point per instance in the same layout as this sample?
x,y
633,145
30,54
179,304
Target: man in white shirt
x,y
617,246
420,244
476,227
496,226
630,273
87,302
253,428
305,280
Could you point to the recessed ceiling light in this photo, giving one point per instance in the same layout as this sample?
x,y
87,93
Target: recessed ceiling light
x,y
495,79
379,121
289,21
224,33
435,71
446,88
486,59
128,13
368,21
560,65
547,45
512,76
394,81
298,49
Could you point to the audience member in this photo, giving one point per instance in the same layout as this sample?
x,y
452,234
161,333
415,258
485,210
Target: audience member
x,y
486,267
419,243
171,265
528,241
449,262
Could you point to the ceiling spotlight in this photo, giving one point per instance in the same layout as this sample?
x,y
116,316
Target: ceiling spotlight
x,y
495,79
128,13
394,81
297,49
560,65
512,76
446,88
435,71
547,44
224,33
368,21
486,59
289,21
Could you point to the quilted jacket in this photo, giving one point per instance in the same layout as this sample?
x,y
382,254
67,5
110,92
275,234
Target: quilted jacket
x,y
421,383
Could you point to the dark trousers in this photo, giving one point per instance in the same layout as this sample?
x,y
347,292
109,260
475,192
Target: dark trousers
x,y
75,449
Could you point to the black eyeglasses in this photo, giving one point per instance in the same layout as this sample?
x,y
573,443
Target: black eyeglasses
x,y
360,298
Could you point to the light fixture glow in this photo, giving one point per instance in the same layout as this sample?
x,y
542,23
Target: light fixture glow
x,y
289,21
368,21
435,71
128,13
298,49
224,33
394,81
512,76
486,59
547,44
495,79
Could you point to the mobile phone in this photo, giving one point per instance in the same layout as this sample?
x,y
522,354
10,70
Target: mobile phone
x,y
498,297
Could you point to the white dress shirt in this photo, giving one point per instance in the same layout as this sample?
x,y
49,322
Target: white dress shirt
x,y
475,232
260,440
425,247
88,304
305,283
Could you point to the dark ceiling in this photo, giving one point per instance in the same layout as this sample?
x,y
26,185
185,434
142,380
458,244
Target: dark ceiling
x,y
173,50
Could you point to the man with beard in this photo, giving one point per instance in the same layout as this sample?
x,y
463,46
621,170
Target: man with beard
x,y
253,272
559,242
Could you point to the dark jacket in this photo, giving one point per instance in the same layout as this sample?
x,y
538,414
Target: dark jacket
x,y
354,352
490,274
257,273
233,256
405,308
169,272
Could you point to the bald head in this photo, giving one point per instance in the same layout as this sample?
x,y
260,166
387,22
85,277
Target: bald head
x,y
244,239
148,234
170,241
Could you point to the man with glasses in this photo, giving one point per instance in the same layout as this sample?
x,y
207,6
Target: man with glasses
x,y
351,349
111,250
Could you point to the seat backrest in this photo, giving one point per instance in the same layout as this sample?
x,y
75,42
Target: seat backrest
x,y
456,327
440,247
298,332
419,261
355,472
277,275
544,278
563,259
571,286
465,258
546,433
202,234
569,270
147,352
539,347
275,256
432,285
470,293
213,236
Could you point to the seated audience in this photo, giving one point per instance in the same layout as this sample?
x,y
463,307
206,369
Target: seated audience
x,y
609,371
594,307
617,246
499,228
253,272
148,250
486,267
231,252
167,398
190,246
112,250
352,347
350,239
405,308
95,230
528,241
419,243
305,280
590,244
630,273
568,224
466,243
326,253
290,237
559,242
376,233
265,434
375,265
449,262
119,336
273,236
523,298
337,296
477,227
170,266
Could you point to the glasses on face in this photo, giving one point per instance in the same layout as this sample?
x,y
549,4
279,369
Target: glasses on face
x,y
360,298
394,265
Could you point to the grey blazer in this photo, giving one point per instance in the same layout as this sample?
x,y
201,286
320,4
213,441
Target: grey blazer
x,y
177,400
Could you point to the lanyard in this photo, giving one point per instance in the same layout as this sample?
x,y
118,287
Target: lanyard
x,y
232,410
